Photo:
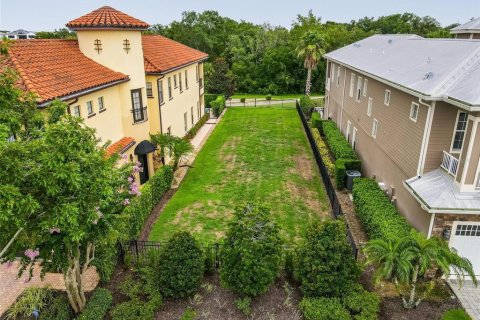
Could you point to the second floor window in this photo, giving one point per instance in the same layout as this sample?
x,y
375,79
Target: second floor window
x,y
369,107
89,107
186,79
197,72
149,90
352,85
180,81
460,129
387,97
359,88
414,111
160,91
175,81
137,108
374,128
170,88
101,105
76,111
365,87
338,75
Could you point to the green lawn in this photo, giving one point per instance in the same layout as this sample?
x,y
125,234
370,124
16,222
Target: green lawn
x,y
277,97
254,155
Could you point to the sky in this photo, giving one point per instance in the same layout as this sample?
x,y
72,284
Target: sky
x,y
47,15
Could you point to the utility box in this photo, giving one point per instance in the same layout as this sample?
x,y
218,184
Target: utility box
x,y
352,174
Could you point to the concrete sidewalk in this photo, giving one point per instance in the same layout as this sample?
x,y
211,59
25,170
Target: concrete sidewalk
x,y
469,296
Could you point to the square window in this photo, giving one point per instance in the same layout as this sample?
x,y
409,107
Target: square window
x,y
414,111
101,106
89,107
76,111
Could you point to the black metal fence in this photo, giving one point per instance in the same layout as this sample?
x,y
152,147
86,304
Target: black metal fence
x,y
330,188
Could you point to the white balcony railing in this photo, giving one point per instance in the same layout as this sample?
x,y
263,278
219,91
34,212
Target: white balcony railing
x,y
449,163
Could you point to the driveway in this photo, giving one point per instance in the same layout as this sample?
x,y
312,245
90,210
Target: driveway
x,y
469,296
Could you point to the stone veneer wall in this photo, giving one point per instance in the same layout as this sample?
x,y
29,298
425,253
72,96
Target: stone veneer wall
x,y
443,220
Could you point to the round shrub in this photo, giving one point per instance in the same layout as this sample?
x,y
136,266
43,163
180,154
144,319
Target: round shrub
x,y
269,97
324,309
242,100
363,305
181,266
252,251
326,267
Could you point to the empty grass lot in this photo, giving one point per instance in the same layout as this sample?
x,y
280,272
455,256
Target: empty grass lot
x,y
254,155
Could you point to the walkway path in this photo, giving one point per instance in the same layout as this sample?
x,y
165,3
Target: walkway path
x,y
12,287
469,297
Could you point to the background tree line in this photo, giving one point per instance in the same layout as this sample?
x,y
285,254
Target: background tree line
x,y
262,58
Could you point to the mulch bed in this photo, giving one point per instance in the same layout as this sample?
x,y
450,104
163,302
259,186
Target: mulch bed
x,y
391,309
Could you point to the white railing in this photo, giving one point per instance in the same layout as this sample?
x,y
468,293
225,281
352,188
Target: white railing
x,y
449,163
328,84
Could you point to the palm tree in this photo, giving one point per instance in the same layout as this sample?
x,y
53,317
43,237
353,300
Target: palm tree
x,y
406,260
180,148
163,142
310,49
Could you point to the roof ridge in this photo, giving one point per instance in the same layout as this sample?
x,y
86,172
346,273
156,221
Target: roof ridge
x,y
456,74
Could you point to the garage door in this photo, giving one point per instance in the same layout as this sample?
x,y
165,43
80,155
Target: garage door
x,y
465,240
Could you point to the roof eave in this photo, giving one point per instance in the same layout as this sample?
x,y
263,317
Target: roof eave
x,y
163,72
87,28
73,95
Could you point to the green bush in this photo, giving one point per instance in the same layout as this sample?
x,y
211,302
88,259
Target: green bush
x,y
189,314
456,314
269,97
140,207
307,105
252,252
326,266
218,105
97,306
324,309
193,131
378,215
362,305
106,257
324,152
244,305
181,266
316,121
341,166
242,100
59,309
209,97
32,298
145,298
337,143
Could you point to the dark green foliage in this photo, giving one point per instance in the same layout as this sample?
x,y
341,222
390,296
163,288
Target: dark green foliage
x,y
62,33
289,263
209,97
144,295
193,131
97,306
456,314
221,80
252,252
341,167
244,305
337,143
243,99
59,309
324,309
362,305
378,215
316,121
106,258
218,105
307,105
326,266
140,207
181,266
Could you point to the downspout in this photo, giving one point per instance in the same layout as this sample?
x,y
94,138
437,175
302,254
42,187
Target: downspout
x,y
70,104
430,228
426,135
343,96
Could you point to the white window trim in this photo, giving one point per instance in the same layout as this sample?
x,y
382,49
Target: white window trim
x,y
369,107
365,87
374,126
354,137
358,92
387,103
338,76
455,130
352,85
414,104
349,125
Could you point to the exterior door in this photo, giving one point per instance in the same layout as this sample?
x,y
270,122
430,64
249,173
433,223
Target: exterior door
x,y
465,240
144,176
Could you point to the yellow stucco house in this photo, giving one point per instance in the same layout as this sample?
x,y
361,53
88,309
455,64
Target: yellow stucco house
x,y
123,83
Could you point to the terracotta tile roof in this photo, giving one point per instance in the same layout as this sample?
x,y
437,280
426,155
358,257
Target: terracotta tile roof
x,y
107,17
55,68
120,146
162,54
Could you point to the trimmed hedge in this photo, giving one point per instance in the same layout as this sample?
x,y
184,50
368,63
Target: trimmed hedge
x,y
140,207
324,152
193,131
97,306
209,97
341,166
324,309
307,105
339,146
378,215
218,105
